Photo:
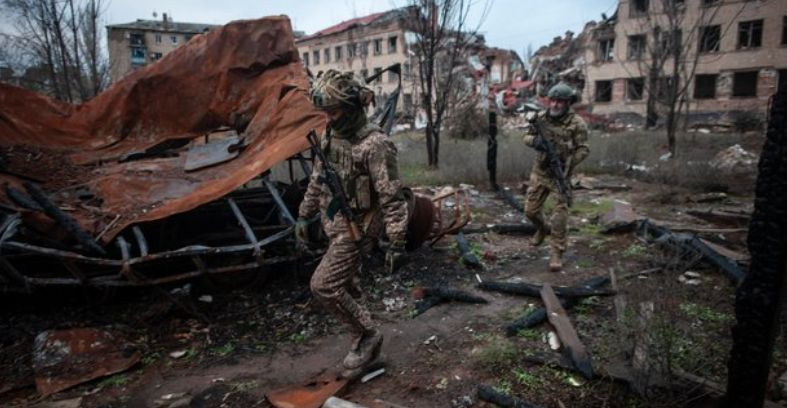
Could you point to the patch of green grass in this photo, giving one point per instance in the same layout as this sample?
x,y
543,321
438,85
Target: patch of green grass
x,y
503,386
224,350
705,313
298,338
585,263
591,208
633,250
589,228
598,244
530,381
150,359
529,334
497,354
243,386
117,380
584,305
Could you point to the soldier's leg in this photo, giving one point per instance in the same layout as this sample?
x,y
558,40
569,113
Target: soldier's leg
x,y
535,197
329,286
559,237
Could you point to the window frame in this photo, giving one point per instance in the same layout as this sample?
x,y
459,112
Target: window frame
x,y
641,47
705,95
606,54
736,88
629,82
751,29
597,93
703,40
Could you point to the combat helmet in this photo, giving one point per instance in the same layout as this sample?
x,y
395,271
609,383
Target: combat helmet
x,y
337,90
561,91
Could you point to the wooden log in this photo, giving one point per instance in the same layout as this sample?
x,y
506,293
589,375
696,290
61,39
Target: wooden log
x,y
489,394
534,290
468,257
568,336
430,297
539,315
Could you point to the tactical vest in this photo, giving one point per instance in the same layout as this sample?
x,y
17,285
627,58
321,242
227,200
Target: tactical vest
x,y
561,133
347,158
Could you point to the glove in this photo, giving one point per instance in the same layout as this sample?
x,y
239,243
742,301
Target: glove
x,y
395,257
302,230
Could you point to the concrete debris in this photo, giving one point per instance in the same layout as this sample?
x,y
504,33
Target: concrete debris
x,y
553,341
734,159
334,402
65,358
621,218
178,354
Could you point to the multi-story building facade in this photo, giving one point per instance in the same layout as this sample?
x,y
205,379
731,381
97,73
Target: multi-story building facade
x,y
141,42
734,53
365,45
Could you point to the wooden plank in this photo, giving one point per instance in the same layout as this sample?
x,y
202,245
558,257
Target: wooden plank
x,y
565,330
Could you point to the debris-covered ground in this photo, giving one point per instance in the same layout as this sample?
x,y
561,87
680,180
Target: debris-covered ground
x,y
227,341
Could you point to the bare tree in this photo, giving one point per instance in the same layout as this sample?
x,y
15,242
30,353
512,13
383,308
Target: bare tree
x,y
63,38
442,38
668,46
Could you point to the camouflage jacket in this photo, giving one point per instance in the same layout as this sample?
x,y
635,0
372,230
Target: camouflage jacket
x,y
569,136
368,168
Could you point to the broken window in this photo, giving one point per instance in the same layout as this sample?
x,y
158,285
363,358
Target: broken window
x,y
784,30
351,50
316,57
408,101
174,39
137,39
379,78
392,77
158,38
710,36
337,52
378,46
666,89
138,56
639,7
635,87
327,55
605,49
744,84
364,48
603,91
306,59
705,86
636,46
750,34
156,56
392,45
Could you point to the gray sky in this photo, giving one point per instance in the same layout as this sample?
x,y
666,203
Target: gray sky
x,y
509,24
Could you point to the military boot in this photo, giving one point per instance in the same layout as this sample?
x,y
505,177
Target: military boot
x,y
540,235
364,350
555,261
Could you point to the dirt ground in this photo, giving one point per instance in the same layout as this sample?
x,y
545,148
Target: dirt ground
x,y
259,334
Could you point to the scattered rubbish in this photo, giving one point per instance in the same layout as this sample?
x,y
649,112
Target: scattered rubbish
x,y
738,219
553,341
429,297
689,280
372,375
205,298
65,358
708,197
621,218
574,382
490,394
430,340
566,332
539,315
178,354
733,159
334,402
665,156
443,384
394,304
313,394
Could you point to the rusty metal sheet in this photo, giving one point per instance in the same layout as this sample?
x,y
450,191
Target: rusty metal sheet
x,y
245,76
310,395
65,358
215,152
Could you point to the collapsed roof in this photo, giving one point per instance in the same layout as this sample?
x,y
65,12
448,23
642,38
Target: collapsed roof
x,y
123,157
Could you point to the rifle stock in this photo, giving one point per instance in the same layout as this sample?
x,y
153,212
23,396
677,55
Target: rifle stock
x,y
331,178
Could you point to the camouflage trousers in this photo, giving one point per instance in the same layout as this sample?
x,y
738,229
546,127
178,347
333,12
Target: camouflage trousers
x,y
332,283
537,192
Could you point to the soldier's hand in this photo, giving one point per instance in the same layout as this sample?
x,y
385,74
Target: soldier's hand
x,y
395,257
302,230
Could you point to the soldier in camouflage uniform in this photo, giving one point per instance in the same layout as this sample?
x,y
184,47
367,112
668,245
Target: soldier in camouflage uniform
x,y
366,161
568,134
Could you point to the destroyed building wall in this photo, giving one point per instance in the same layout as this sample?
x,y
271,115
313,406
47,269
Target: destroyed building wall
x,y
365,45
136,44
740,74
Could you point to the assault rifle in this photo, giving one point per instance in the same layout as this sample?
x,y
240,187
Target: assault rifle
x,y
331,179
554,165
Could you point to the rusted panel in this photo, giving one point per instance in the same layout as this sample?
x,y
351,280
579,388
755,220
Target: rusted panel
x,y
311,395
127,147
65,358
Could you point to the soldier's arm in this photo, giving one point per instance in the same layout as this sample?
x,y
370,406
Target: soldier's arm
x,y
530,132
384,172
581,148
311,199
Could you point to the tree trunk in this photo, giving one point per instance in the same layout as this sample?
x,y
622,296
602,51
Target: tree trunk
x,y
651,116
61,47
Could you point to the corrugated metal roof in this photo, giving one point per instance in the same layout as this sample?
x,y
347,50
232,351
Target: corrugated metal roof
x,y
170,26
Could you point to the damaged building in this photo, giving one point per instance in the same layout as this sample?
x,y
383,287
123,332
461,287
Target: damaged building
x,y
734,56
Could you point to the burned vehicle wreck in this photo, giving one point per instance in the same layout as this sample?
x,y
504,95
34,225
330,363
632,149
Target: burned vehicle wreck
x,y
169,173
